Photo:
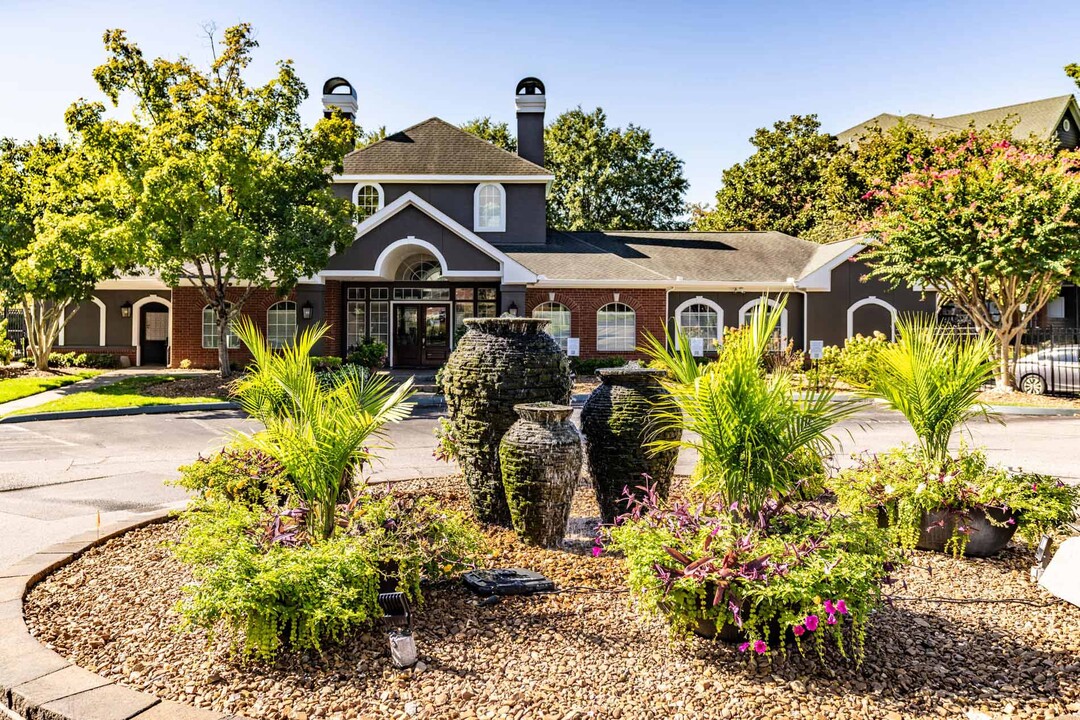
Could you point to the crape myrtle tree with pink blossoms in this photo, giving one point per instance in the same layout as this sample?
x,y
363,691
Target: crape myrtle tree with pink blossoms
x,y
990,224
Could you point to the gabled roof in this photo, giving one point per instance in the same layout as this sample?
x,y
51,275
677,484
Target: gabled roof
x,y
435,147
1039,118
673,258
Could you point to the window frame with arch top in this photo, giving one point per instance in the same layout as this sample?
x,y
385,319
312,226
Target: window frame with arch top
x,y
480,215
366,211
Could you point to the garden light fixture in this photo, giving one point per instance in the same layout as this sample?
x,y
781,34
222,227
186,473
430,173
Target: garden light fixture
x,y
397,619
513,309
125,310
306,309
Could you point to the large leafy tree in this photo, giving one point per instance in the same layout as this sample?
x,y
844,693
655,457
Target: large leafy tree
x,y
609,178
60,208
231,191
779,186
992,226
496,133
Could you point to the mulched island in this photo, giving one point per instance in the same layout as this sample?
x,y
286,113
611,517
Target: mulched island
x,y
582,653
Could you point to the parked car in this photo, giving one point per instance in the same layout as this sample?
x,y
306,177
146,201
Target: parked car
x,y
1055,370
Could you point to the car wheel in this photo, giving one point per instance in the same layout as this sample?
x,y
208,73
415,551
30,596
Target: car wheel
x,y
1033,385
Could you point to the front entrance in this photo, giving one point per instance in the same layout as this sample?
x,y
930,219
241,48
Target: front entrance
x,y
154,334
421,335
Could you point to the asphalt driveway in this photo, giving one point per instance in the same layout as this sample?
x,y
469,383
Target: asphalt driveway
x,y
57,476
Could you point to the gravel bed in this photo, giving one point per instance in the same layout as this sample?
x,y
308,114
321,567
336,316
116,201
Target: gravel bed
x,y
578,654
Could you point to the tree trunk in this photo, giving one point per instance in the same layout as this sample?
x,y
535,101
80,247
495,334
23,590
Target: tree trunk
x,y
1004,380
43,323
223,345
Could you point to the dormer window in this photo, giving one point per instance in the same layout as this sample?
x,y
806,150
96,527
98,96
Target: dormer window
x,y
1066,125
489,208
368,198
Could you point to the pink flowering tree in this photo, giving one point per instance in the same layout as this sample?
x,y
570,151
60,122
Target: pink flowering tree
x,y
992,226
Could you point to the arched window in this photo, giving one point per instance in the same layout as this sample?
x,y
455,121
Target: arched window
x,y
700,318
616,328
780,335
209,331
368,198
558,317
420,267
489,210
281,324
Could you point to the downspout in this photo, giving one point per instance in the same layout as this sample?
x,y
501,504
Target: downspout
x,y
805,312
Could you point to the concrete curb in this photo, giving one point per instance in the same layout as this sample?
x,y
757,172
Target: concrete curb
x,y
37,683
119,412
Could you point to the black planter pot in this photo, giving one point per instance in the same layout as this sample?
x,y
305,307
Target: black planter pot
x,y
985,539
617,424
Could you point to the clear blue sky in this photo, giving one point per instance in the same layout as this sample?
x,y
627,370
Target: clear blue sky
x,y
701,76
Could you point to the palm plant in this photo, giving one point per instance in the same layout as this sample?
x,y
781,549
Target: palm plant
x,y
752,435
934,378
320,430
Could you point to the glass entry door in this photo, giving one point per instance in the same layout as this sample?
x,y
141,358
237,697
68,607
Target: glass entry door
x,y
421,335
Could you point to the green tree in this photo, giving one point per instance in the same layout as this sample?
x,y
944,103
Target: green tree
x,y
496,133
231,191
609,178
779,186
59,210
992,226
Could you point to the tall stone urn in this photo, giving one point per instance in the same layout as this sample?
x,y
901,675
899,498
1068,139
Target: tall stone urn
x,y
497,364
618,420
540,461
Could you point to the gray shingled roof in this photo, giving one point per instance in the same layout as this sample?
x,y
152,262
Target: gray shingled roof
x,y
658,256
435,147
1038,118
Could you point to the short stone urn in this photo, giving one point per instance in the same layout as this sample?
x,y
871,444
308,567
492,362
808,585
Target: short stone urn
x,y
540,461
497,364
618,421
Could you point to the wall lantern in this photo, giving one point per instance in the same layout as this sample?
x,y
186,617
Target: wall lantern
x,y
306,309
513,309
125,310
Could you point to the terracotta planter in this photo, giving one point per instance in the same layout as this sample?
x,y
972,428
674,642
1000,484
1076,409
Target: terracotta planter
x,y
617,422
540,462
497,364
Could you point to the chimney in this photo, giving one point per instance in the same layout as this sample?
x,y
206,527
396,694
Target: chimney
x,y
531,102
338,95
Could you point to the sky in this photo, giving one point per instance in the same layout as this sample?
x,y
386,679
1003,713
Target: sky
x,y
701,76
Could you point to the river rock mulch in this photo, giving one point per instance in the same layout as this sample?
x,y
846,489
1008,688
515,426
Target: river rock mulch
x,y
581,653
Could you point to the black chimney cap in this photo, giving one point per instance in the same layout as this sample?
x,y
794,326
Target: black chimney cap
x,y
530,86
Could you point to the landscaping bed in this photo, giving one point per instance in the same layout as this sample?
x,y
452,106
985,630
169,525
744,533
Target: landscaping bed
x,y
1021,399
586,650
136,391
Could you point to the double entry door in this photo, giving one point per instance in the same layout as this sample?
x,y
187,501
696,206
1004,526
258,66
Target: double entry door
x,y
421,334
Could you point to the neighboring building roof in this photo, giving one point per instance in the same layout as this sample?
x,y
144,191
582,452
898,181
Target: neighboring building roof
x,y
674,257
1039,118
435,147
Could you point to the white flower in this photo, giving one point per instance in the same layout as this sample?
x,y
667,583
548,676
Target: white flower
x,y
931,476
922,486
949,477
889,489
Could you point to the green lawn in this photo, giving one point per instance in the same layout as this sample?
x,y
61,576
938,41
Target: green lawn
x,y
20,387
123,394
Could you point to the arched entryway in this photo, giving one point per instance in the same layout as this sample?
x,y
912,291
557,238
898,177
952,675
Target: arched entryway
x,y
150,330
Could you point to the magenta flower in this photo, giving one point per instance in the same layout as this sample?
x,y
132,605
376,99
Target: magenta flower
x,y
811,622
1010,521
760,647
841,607
744,647
829,607
831,619
1034,487
798,630
596,550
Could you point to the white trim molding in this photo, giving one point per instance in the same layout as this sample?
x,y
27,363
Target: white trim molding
x,y
699,300
62,337
511,272
443,179
500,226
772,303
820,278
135,307
872,300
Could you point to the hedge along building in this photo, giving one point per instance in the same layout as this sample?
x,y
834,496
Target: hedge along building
x,y
450,227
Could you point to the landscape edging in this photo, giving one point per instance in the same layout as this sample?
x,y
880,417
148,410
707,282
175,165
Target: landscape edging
x,y
40,683
118,412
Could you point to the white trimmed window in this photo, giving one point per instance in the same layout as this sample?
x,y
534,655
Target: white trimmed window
x,y
355,323
780,335
281,324
700,318
558,317
616,328
489,208
209,331
368,198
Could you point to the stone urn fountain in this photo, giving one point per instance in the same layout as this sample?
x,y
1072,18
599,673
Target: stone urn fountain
x,y
618,421
497,364
540,461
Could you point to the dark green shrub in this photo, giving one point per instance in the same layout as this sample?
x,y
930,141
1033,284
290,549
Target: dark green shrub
x,y
370,354
323,363
583,367
246,476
